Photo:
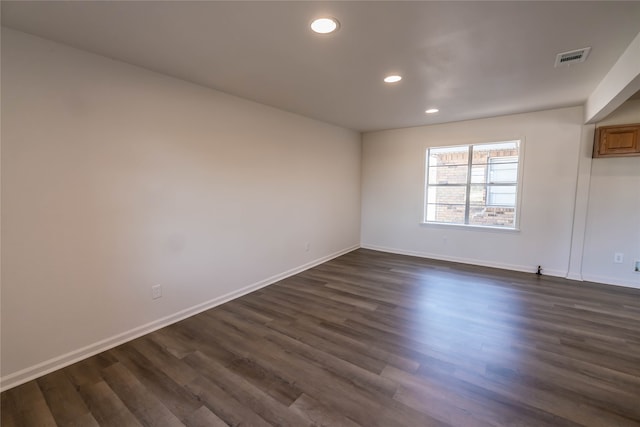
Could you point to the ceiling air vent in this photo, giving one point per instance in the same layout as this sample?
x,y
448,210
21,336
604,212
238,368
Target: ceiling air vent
x,y
572,57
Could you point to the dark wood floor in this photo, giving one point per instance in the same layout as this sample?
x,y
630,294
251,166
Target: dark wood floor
x,y
368,339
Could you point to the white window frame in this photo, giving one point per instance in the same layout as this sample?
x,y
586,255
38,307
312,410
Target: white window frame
x,y
425,206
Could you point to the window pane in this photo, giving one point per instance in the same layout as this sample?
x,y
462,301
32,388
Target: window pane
x,y
450,195
448,156
483,152
448,174
446,213
492,216
478,174
503,170
501,195
478,195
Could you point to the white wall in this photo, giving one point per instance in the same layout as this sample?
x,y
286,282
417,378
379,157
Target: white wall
x,y
618,85
115,178
392,192
613,216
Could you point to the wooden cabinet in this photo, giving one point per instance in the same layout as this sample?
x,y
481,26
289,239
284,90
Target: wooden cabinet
x,y
615,141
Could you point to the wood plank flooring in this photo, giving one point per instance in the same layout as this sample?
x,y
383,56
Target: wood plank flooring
x,y
368,339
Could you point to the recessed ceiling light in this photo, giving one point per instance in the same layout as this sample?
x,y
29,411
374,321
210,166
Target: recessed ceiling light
x,y
432,110
392,79
325,25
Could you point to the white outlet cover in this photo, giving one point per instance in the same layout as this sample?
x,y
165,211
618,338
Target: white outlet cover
x,y
618,258
156,291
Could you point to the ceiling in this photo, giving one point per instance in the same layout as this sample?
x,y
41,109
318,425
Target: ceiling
x,y
469,59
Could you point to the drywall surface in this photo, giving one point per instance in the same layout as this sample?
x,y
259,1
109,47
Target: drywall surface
x,y
613,217
115,179
620,83
393,185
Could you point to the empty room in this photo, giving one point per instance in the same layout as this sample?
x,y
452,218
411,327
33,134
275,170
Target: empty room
x,y
301,213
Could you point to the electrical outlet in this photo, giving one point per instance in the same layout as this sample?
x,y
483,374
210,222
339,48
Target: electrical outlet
x,y
156,291
307,246
618,258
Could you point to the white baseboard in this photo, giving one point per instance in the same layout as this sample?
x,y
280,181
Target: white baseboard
x,y
575,276
612,281
527,269
472,261
43,368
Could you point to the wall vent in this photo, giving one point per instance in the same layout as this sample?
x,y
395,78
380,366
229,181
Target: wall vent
x,y
572,57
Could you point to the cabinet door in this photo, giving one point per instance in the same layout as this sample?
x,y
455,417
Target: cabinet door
x,y
617,141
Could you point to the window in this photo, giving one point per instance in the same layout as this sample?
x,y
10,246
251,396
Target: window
x,y
473,184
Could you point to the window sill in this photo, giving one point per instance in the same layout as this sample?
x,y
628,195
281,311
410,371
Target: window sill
x,y
470,227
